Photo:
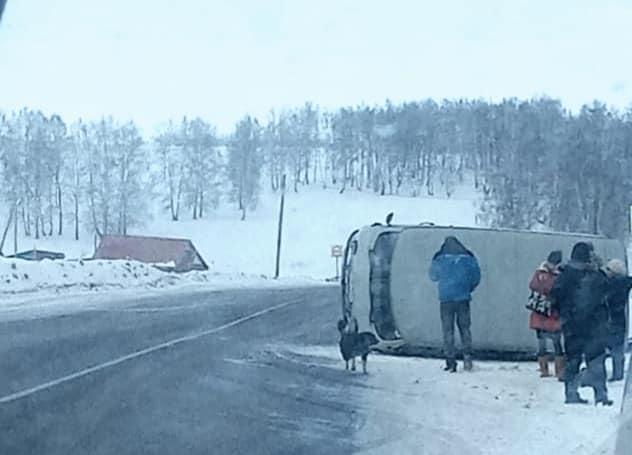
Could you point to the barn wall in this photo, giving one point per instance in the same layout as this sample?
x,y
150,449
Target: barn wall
x,y
507,259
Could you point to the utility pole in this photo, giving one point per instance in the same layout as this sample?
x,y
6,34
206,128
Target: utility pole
x,y
15,228
280,231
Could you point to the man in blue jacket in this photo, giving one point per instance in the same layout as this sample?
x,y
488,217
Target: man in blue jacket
x,y
457,273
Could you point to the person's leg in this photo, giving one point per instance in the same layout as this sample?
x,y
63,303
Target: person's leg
x,y
596,369
447,326
543,361
559,355
557,343
541,343
595,353
574,350
463,320
617,349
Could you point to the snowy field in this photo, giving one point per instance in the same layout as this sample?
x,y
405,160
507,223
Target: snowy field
x,y
239,253
315,219
413,407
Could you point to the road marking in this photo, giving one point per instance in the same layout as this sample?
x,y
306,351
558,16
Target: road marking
x,y
140,353
160,309
245,362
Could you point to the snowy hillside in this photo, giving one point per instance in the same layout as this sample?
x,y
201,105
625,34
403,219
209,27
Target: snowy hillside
x,y
315,219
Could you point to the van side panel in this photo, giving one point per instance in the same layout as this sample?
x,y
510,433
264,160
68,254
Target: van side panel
x,y
507,259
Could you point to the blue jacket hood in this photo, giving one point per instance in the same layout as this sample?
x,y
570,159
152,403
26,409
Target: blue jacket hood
x,y
457,276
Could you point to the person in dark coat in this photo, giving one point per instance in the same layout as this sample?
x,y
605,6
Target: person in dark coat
x,y
579,295
617,299
457,273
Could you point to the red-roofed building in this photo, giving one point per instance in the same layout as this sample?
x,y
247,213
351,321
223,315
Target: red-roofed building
x,y
153,250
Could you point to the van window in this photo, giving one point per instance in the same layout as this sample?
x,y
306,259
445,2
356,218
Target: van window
x,y
380,286
347,285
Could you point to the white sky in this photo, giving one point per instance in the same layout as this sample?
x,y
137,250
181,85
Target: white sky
x,y
151,60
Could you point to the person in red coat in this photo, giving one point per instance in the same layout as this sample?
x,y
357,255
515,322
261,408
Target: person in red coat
x,y
543,319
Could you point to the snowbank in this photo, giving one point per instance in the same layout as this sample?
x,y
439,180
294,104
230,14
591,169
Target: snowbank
x,y
20,279
411,406
20,276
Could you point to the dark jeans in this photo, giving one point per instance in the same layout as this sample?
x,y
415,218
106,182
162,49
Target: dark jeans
x,y
459,312
555,337
584,346
616,344
596,376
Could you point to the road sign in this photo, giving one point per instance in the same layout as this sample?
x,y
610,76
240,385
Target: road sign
x,y
336,252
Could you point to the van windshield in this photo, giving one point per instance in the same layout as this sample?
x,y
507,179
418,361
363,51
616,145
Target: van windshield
x,y
346,279
381,312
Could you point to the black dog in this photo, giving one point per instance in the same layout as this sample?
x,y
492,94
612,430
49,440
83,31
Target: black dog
x,y
354,344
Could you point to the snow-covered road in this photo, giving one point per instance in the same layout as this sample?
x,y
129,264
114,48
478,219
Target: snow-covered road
x,y
117,375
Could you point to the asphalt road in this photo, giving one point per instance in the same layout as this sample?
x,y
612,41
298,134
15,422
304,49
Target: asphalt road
x,y
198,373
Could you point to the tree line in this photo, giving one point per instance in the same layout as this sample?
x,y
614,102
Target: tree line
x,y
534,163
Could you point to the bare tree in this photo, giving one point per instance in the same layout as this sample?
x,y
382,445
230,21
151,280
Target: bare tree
x,y
244,163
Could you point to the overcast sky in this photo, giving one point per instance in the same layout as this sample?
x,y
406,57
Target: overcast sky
x,y
151,60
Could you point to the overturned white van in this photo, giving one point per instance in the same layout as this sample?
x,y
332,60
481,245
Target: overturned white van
x,y
385,284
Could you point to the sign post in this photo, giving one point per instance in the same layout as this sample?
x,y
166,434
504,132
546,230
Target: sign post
x,y
336,252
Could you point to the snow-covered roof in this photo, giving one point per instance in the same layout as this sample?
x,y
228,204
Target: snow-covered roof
x,y
151,250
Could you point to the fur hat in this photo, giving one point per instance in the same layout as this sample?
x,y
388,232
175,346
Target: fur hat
x,y
616,267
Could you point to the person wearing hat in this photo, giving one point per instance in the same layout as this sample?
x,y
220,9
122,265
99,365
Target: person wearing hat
x,y
579,294
619,285
543,319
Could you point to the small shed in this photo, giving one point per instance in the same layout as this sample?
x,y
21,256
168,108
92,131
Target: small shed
x,y
38,255
180,253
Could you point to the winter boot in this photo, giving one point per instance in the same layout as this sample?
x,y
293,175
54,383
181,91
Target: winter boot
x,y
560,364
605,401
467,364
543,361
450,365
601,396
571,394
574,398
